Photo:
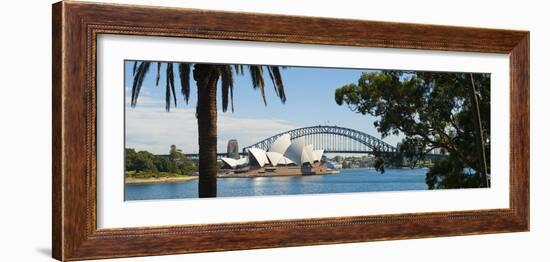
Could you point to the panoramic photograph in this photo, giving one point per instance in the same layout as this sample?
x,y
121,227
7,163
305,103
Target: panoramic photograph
x,y
196,130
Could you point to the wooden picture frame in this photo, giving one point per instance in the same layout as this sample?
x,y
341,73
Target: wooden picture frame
x,y
76,26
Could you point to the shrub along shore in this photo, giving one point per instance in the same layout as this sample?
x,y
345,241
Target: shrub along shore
x,y
143,167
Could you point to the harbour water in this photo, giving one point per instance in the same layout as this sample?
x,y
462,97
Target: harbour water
x,y
349,180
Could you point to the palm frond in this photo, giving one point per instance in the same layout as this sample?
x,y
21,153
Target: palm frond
x,y
231,98
170,86
167,93
239,69
158,73
141,70
256,73
184,70
277,79
226,73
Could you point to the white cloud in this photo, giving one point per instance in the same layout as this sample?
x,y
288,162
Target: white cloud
x,y
146,101
154,129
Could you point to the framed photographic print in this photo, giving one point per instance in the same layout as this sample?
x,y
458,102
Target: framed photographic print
x,y
180,130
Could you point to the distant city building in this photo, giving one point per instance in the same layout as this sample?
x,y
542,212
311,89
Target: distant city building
x,y
233,149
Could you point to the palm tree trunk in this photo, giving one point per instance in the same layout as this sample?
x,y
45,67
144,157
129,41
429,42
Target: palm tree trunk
x,y
207,80
479,132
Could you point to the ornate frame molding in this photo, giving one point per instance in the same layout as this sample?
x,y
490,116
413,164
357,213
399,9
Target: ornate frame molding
x,y
76,26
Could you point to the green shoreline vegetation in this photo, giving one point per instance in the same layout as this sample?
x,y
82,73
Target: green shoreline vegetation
x,y
145,167
370,162
148,174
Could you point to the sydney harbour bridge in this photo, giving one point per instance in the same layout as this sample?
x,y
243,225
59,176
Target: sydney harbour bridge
x,y
333,139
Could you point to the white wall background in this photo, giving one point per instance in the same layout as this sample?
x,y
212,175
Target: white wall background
x,y
25,130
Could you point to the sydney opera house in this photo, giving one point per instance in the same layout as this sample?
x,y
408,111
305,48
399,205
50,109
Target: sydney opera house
x,y
283,158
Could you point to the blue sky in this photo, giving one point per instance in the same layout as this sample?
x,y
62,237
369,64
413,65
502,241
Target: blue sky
x,y
310,101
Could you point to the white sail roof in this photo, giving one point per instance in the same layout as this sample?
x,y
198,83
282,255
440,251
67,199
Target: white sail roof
x,y
318,154
278,159
275,158
287,161
259,155
285,152
294,151
281,144
307,154
234,163
230,162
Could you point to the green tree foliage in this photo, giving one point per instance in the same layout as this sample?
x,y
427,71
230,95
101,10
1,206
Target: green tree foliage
x,y
140,161
175,163
433,111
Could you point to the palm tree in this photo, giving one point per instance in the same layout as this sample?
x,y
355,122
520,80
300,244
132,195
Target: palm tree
x,y
206,77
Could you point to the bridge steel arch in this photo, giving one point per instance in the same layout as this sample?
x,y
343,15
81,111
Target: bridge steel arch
x,y
361,137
